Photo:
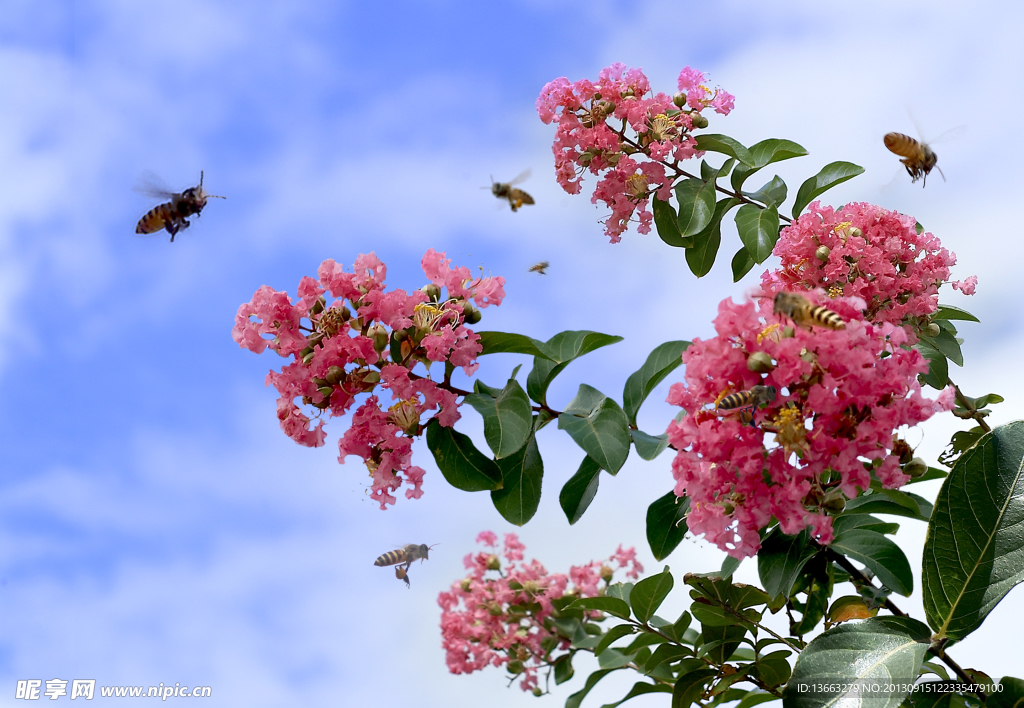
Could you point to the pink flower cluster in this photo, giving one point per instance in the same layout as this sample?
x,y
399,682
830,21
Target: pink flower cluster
x,y
501,616
638,157
363,338
841,395
865,251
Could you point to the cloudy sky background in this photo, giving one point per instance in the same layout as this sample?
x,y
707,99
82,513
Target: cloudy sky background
x,y
158,527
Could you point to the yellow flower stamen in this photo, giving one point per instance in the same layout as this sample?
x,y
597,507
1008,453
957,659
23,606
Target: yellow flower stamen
x,y
767,331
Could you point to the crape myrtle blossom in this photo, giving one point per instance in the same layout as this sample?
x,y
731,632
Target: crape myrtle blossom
x,y
633,166
501,614
842,394
362,338
865,251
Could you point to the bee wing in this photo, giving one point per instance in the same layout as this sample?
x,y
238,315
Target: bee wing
x,y
951,134
152,186
521,177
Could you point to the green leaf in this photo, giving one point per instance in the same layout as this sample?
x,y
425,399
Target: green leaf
x,y
875,650
1010,695
649,446
463,466
741,264
611,605
580,490
522,475
666,524
508,418
614,634
661,362
563,669
564,347
712,142
755,698
649,593
575,699
721,642
938,370
666,221
830,175
974,550
961,442
758,229
888,501
729,566
881,555
765,153
781,559
620,590
599,426
947,344
773,192
501,342
667,653
696,206
948,312
689,687
847,522
702,256
773,669
639,689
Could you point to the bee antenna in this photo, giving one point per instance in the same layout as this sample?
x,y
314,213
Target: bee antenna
x,y
200,179
940,172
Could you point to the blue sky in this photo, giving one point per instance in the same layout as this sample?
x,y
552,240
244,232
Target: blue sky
x,y
158,527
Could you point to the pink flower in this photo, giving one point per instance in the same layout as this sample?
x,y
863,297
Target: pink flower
x,y
631,165
865,251
967,285
341,351
497,614
841,397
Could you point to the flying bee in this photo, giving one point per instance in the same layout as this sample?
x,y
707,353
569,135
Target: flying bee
x,y
799,309
406,554
505,190
918,158
173,215
402,573
541,268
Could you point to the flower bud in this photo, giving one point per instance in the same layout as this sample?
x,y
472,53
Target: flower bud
x,y
760,362
606,573
628,93
465,584
679,99
854,232
931,330
613,159
532,587
585,158
822,253
494,609
515,667
916,468
432,290
318,306
606,107
834,502
493,563
381,338
587,121
334,375
728,508
698,120
537,692
471,314
308,357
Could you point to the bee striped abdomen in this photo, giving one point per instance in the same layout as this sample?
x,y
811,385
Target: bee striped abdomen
x,y
902,145
827,318
391,558
154,219
736,400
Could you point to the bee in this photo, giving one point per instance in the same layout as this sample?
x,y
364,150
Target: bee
x,y
799,309
756,396
173,215
918,158
505,190
406,554
539,268
402,573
